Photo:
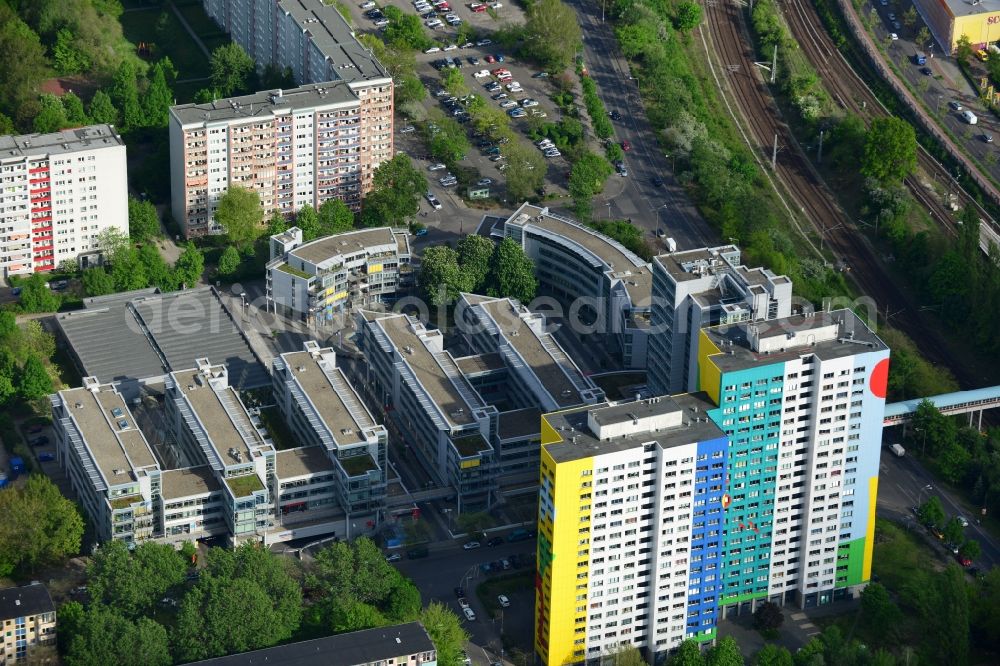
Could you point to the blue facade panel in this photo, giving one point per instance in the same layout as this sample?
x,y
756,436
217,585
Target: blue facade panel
x,y
705,579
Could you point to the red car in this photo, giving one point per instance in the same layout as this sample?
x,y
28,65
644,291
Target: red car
x,y
626,146
490,58
478,9
963,560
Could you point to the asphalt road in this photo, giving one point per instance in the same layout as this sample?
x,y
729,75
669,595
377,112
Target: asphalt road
x,y
638,199
904,483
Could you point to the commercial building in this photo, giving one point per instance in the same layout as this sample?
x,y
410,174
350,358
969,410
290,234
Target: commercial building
x,y
698,288
315,281
609,284
949,20
801,399
398,645
108,461
472,421
770,481
57,193
27,621
292,147
635,555
326,414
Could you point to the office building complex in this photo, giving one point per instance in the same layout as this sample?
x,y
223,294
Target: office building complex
x,y
801,399
314,281
292,147
761,487
27,621
699,288
326,414
57,193
397,645
635,555
472,421
579,265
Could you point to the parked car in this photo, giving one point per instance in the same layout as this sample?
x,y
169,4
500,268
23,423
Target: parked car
x,y
987,138
503,600
484,42
470,615
955,106
40,441
517,113
657,181
508,104
437,167
367,5
964,560
962,520
528,103
407,129
495,541
433,201
473,60
395,557
615,115
451,47
470,545
626,146
46,457
433,49
462,602
419,551
483,182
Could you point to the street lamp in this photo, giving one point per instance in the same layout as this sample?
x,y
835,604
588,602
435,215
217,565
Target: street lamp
x,y
609,209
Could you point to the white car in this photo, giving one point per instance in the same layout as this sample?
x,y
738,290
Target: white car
x,y
437,167
381,23
528,103
368,5
504,601
538,113
453,21
513,86
433,49
483,182
451,47
508,104
471,545
462,602
893,36
495,5
483,73
433,23
552,152
433,201
484,42
422,7
470,614
407,130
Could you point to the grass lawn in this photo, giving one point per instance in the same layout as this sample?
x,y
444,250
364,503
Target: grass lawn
x,y
140,26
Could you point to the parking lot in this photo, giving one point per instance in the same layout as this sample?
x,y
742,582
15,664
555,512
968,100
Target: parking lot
x,y
477,58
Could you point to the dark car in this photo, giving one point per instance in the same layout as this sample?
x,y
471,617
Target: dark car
x,y
615,115
459,592
495,541
46,457
417,553
40,441
988,138
657,181
926,71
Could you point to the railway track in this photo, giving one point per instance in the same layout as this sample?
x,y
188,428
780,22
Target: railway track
x,y
813,203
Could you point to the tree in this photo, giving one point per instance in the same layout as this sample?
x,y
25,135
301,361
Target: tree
x,y
441,278
73,106
623,655
890,151
931,512
97,282
231,69
688,16
159,97
688,654
36,296
416,531
112,241
33,381
308,221
52,116
244,600
240,214
453,81
587,179
474,254
276,224
68,59
552,34
725,653
154,267
102,110
143,222
512,272
352,615
772,655
878,611
398,187
953,531
128,270
525,173
40,526
446,632
274,76
970,548
125,95
910,17
335,217
768,617
405,31
190,265
946,635
132,582
102,635
449,143
229,262
922,37
7,125
22,66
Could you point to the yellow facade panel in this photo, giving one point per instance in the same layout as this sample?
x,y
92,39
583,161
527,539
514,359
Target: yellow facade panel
x,y
866,571
466,464
979,28
709,375
375,268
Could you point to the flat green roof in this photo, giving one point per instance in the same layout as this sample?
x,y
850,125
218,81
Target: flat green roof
x,y
243,486
357,465
470,445
285,268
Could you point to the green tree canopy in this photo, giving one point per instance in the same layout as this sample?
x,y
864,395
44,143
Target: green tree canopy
x,y
36,296
398,187
931,512
40,526
441,279
125,95
22,65
512,272
51,117
453,81
33,380
67,57
335,217
73,105
229,262
450,142
132,582
725,653
190,266
878,611
102,110
232,69
552,34
624,655
240,214
970,548
768,616
890,151
525,173
405,31
159,97
244,600
307,219
474,254
587,179
102,635
128,270
143,222
97,282
446,632
688,654
688,16
773,655
276,224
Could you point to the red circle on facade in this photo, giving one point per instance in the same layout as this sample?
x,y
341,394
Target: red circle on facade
x,y
879,380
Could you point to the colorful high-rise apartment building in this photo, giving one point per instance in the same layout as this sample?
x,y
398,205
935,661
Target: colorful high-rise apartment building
x,y
659,516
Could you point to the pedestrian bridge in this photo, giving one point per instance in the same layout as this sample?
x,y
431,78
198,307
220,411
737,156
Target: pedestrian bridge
x,y
960,402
